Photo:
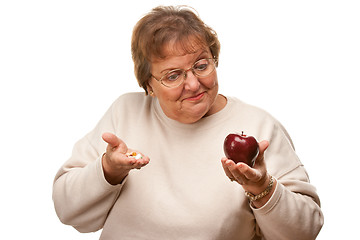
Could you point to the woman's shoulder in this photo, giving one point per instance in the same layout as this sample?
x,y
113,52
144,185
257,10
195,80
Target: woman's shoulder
x,y
253,115
131,96
132,105
245,108
132,100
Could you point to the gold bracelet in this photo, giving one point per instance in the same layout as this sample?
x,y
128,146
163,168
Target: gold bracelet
x,y
267,190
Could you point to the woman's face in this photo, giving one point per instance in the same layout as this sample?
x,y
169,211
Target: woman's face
x,y
195,97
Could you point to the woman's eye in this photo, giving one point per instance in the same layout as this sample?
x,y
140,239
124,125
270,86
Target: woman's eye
x,y
201,67
173,76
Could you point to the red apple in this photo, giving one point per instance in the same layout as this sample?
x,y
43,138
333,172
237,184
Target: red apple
x,y
241,148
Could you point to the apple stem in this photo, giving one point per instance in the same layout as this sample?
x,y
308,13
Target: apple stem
x,y
242,133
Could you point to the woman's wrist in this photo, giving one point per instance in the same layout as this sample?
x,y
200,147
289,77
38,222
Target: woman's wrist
x,y
259,195
255,197
111,176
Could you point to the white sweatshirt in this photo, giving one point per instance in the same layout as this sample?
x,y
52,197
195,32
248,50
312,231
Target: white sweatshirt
x,y
183,193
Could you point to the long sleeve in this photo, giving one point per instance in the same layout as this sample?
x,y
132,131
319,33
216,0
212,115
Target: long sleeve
x,y
81,195
293,212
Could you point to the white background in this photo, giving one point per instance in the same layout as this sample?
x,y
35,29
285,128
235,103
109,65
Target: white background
x,y
62,63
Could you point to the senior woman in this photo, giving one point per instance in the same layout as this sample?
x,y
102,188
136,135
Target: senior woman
x,y
188,190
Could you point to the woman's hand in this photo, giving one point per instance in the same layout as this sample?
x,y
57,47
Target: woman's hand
x,y
253,179
116,164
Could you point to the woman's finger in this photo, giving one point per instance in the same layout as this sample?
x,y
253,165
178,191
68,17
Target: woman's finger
x,y
111,139
232,171
114,142
225,164
263,145
137,159
249,173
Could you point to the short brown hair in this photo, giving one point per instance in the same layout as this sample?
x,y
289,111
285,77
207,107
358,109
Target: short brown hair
x,y
163,25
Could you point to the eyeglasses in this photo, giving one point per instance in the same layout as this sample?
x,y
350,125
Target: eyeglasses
x,y
176,77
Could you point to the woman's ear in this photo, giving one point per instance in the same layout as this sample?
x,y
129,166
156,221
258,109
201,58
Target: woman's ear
x,y
150,90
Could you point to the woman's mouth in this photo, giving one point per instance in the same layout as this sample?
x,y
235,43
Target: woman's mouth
x,y
196,97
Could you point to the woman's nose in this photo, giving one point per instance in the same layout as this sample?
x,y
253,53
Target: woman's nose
x,y
191,81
